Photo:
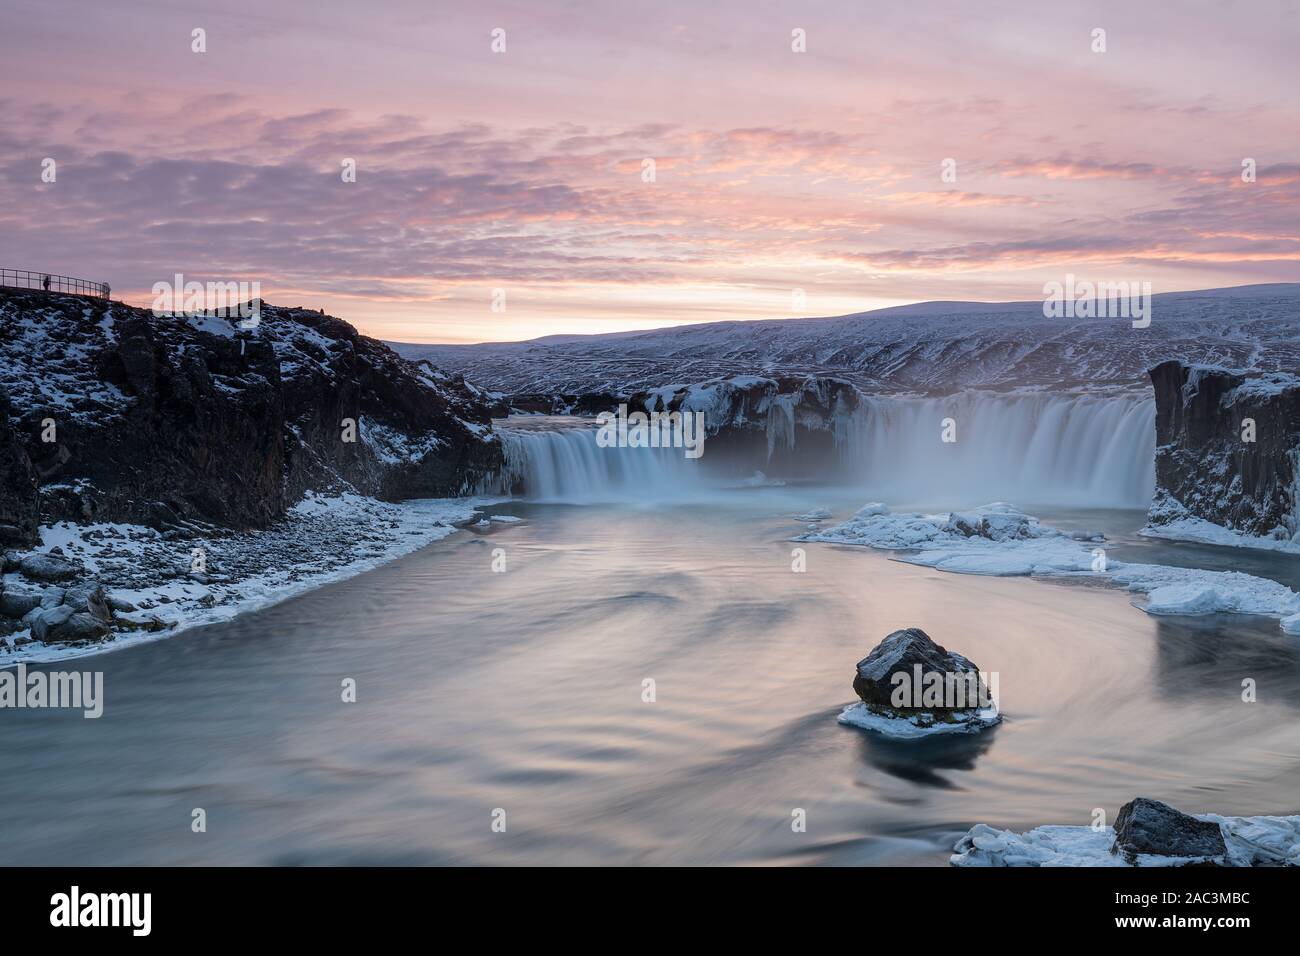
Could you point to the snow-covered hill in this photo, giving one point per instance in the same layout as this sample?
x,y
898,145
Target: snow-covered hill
x,y
931,347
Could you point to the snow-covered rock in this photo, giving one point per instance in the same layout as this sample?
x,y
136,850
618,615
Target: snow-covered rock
x,y
180,421
1227,456
1242,841
1149,827
759,421
140,585
910,687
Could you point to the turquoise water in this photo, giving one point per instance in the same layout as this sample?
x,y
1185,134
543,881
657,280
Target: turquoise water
x,y
522,691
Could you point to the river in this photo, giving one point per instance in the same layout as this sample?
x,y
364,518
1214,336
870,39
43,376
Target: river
x,y
522,691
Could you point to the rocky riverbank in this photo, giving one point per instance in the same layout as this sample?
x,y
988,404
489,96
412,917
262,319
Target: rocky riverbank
x,y
92,588
158,471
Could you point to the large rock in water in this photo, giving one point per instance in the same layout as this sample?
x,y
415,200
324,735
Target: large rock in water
x,y
1206,469
1149,826
902,652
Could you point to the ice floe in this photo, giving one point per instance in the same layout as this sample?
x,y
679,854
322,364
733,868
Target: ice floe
x,y
1250,841
997,539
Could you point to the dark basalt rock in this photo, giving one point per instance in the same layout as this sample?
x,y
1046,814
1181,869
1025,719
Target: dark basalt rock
x,y
1149,826
17,604
757,423
1204,468
48,567
902,652
189,424
64,625
19,503
587,404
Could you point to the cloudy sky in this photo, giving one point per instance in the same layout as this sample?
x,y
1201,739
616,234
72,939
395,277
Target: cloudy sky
x,y
523,170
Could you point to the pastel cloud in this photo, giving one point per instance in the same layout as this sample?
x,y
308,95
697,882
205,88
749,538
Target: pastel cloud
x,y
773,170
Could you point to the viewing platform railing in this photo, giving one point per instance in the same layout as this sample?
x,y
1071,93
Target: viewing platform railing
x,y
22,279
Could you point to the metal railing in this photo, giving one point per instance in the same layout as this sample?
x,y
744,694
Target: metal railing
x,y
21,279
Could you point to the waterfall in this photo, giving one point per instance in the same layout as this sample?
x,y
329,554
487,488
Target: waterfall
x,y
557,459
1063,450
1079,450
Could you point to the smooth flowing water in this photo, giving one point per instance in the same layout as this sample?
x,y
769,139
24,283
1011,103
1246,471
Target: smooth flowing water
x,y
1030,448
522,691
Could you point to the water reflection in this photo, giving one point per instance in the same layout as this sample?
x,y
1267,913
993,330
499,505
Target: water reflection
x,y
920,761
1207,658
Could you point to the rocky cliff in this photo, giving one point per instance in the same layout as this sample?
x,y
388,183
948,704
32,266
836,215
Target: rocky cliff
x,y
117,414
794,424
19,505
1226,449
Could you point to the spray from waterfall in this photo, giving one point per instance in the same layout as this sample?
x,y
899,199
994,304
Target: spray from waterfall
x,y
1063,450
560,460
1042,448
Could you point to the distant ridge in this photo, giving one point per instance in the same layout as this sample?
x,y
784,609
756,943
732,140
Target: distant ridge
x,y
926,347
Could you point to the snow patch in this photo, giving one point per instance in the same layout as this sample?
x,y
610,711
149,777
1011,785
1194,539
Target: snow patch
x,y
997,540
1201,531
1250,841
321,540
913,726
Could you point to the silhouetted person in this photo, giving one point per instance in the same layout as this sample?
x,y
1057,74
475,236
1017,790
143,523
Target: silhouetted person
x,y
46,283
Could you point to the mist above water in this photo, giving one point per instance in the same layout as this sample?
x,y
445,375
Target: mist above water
x,y
1071,450
1077,450
557,459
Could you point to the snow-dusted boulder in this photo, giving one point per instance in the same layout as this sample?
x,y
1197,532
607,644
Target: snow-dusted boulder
x,y
17,604
1149,826
1147,833
64,625
47,566
909,685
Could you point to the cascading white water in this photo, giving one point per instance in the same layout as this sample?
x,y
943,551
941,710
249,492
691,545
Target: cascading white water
x,y
1041,448
557,459
1070,450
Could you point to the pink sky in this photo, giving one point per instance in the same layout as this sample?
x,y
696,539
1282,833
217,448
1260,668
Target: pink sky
x,y
776,171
